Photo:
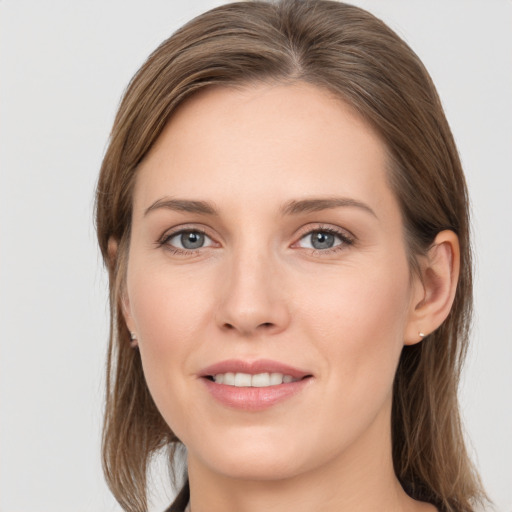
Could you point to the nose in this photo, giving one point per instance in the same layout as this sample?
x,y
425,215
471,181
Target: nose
x,y
253,298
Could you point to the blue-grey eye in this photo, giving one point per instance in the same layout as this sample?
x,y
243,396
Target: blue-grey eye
x,y
190,240
321,240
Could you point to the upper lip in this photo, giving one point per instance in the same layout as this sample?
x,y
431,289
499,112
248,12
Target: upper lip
x,y
253,368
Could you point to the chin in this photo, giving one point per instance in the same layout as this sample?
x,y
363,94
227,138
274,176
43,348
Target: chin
x,y
256,457
261,468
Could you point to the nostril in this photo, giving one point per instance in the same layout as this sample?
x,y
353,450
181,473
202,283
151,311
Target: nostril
x,y
264,325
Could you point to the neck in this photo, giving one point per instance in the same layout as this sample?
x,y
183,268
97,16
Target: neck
x,y
361,479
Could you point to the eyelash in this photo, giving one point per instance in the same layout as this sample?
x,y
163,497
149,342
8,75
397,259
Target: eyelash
x,y
346,240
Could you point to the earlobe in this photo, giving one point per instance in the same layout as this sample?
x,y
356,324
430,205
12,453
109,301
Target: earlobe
x,y
435,291
125,303
128,319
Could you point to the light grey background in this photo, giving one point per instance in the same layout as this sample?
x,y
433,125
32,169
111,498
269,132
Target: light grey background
x,y
63,68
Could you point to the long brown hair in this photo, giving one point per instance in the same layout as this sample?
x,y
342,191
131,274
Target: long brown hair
x,y
351,53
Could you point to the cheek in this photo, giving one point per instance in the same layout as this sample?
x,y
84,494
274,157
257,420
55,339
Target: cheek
x,y
359,325
169,310
167,306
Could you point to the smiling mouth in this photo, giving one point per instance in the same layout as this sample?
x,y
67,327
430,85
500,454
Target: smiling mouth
x,y
258,380
253,386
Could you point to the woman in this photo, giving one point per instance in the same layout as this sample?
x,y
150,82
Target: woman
x,y
284,219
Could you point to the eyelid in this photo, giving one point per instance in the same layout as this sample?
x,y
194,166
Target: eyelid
x,y
330,228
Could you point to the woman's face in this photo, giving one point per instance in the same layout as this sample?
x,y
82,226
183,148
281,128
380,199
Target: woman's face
x,y
266,240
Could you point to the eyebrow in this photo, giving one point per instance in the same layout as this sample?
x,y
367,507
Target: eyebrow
x,y
293,207
318,204
183,205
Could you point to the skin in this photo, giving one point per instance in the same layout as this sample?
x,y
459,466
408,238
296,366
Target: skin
x,y
257,289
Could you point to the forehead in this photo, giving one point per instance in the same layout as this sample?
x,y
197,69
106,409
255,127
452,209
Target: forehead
x,y
262,142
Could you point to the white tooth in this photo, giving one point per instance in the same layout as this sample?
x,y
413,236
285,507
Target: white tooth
x,y
276,378
229,379
243,380
261,380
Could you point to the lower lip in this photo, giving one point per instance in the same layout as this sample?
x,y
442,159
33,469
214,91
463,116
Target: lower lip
x,y
254,399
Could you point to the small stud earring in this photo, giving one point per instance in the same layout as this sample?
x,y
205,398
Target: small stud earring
x,y
133,340
421,335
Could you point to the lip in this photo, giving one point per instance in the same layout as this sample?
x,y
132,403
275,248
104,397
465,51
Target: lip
x,y
254,398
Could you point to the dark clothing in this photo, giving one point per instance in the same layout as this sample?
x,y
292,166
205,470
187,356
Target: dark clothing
x,y
181,501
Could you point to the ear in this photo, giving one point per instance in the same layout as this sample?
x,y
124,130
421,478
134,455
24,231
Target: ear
x,y
125,303
434,290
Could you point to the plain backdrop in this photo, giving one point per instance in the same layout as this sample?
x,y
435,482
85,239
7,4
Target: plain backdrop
x,y
63,68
